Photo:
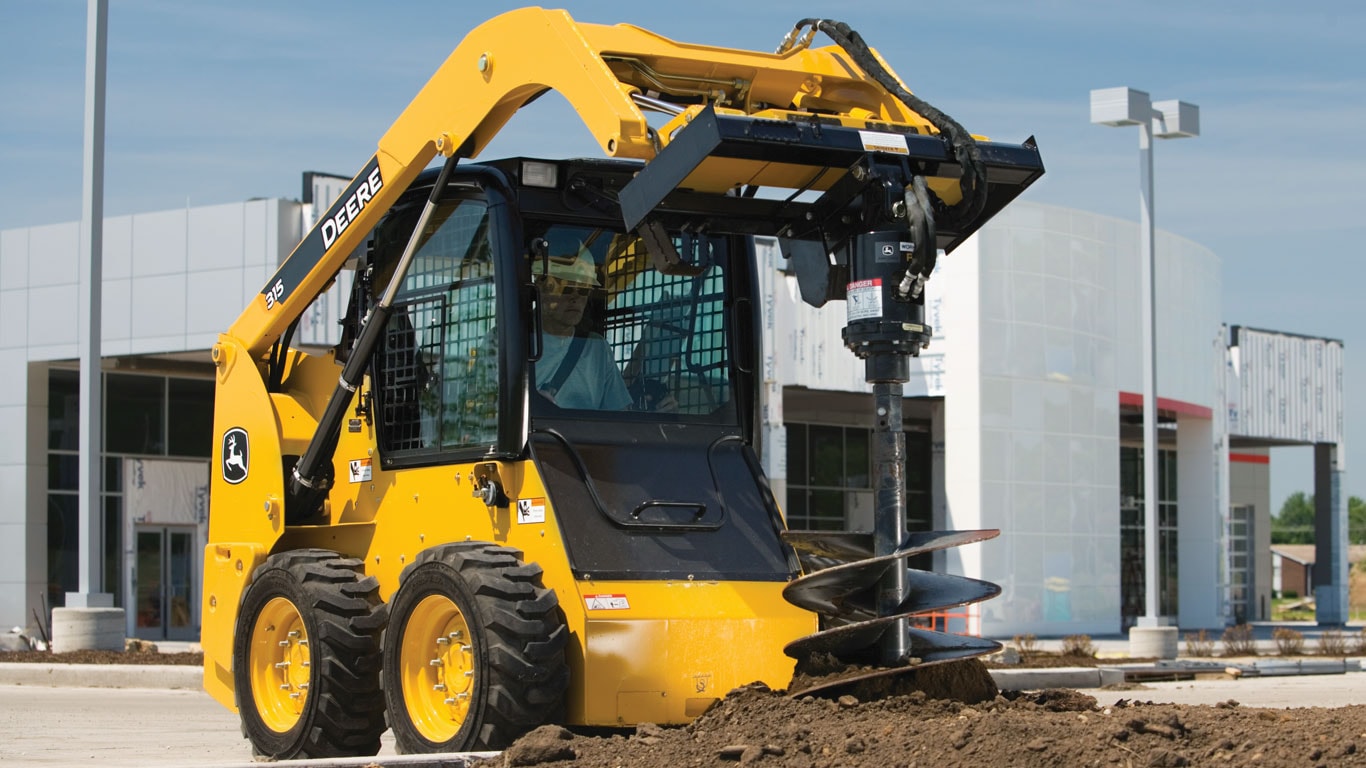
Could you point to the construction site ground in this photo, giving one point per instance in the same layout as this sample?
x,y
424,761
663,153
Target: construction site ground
x,y
1207,719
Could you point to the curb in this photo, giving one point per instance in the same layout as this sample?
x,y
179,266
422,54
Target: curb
x,y
103,675
1058,677
192,678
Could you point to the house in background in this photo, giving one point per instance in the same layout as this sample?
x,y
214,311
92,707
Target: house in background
x,y
1292,567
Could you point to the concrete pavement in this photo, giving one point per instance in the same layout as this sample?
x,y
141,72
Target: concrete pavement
x,y
1113,650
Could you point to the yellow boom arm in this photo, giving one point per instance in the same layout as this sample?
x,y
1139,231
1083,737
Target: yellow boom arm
x,y
601,70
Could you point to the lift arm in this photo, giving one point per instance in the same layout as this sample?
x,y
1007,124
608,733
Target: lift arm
x,y
606,73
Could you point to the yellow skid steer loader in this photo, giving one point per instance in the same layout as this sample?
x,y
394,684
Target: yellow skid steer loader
x,y
523,488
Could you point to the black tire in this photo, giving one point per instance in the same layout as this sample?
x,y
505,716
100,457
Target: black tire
x,y
474,650
324,600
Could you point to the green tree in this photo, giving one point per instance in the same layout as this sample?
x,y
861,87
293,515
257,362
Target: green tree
x,y
1295,522
1356,520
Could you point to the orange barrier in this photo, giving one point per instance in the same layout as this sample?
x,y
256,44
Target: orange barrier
x,y
966,620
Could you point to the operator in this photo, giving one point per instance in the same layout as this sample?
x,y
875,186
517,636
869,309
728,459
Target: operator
x,y
576,369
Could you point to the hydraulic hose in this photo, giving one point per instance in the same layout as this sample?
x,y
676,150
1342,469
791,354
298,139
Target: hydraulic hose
x,y
973,182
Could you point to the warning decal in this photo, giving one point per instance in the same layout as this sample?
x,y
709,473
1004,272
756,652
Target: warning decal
x,y
877,141
359,470
606,602
864,299
530,511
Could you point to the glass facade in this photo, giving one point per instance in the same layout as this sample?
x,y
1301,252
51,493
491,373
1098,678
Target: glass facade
x,y
1132,550
830,477
145,416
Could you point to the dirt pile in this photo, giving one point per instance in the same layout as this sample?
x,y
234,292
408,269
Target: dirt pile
x,y
759,727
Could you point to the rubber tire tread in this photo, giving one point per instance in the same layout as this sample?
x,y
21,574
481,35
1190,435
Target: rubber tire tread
x,y
520,636
344,618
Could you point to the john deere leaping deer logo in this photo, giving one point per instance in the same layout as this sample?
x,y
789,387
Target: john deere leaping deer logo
x,y
235,455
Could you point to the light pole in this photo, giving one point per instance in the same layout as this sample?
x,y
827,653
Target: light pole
x,y
1165,120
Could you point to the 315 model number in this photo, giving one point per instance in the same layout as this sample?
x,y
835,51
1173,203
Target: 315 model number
x,y
273,295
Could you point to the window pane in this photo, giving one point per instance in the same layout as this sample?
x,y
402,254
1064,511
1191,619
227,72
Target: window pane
x,y
827,511
150,595
113,473
113,548
63,472
63,546
190,431
827,456
647,340
796,510
133,414
439,355
796,453
63,410
856,458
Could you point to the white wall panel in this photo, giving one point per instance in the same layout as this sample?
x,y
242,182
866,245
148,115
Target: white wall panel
x,y
1046,377
117,248
53,317
214,299
216,237
1290,387
116,313
159,243
158,307
13,318
52,254
13,259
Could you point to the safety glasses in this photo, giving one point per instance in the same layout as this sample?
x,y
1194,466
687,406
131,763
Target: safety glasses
x,y
564,288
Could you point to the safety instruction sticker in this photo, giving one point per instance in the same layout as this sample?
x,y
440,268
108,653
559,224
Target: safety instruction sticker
x,y
530,511
878,141
606,602
359,470
864,299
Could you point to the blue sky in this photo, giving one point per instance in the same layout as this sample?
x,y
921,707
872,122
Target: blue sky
x,y
222,100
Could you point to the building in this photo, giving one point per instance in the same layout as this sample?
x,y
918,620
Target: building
x,y
1292,568
1023,415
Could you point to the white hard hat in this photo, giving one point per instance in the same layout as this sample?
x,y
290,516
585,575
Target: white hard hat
x,y
579,269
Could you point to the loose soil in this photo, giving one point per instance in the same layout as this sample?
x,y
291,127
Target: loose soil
x,y
947,716
900,729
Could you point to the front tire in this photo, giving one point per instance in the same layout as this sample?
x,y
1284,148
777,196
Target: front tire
x,y
474,653
306,658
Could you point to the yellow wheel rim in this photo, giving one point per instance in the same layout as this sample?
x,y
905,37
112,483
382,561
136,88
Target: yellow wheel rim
x,y
279,665
436,666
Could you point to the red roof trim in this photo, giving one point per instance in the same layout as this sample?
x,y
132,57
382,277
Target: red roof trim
x,y
1249,458
1167,404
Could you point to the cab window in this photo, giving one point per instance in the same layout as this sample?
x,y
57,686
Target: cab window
x,y
618,335
437,364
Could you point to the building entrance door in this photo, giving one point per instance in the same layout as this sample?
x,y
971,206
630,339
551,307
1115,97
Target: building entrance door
x,y
163,582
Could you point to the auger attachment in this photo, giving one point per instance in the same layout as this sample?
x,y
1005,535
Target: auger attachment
x,y
846,585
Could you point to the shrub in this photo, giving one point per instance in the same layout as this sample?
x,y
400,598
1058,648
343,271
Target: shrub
x,y
1078,645
1288,641
1359,642
1332,643
1028,645
1199,644
1238,641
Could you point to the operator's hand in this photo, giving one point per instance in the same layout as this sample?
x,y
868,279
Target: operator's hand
x,y
663,404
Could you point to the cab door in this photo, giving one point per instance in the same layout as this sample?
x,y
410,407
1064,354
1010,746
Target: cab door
x,y
447,374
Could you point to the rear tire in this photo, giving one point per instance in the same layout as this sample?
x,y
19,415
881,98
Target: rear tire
x,y
474,652
306,658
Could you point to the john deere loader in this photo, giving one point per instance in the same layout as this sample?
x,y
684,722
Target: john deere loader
x,y
524,486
